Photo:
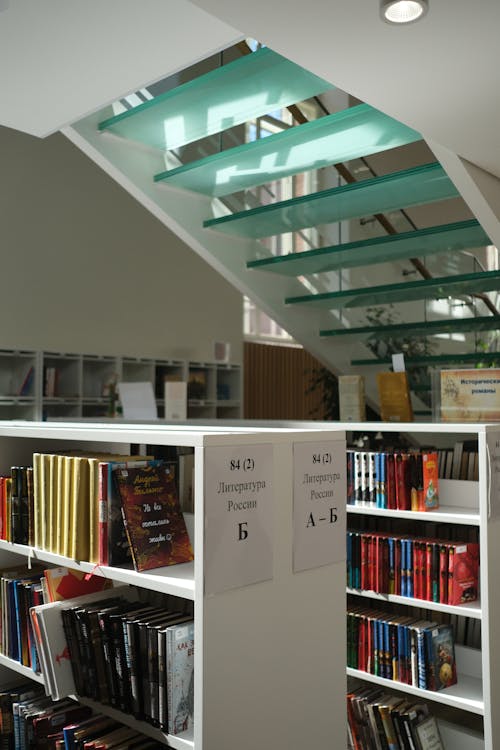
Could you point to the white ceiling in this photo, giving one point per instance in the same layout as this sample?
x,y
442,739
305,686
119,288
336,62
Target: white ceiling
x,y
61,59
441,75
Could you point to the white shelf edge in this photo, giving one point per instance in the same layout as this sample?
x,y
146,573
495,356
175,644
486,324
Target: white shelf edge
x,y
160,579
456,696
472,610
15,666
180,742
445,514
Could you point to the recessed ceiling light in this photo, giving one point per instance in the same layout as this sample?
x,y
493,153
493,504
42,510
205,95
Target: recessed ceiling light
x,y
403,11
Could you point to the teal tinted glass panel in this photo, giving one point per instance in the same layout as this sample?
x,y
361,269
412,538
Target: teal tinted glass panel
x,y
234,93
438,359
407,188
468,283
422,328
340,137
458,236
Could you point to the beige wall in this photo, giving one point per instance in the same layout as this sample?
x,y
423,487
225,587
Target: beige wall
x,y
85,268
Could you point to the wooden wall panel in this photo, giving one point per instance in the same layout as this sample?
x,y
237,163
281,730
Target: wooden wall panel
x,y
276,379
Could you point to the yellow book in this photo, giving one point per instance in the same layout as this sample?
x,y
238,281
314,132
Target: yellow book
x,y
79,503
394,395
64,505
94,509
38,498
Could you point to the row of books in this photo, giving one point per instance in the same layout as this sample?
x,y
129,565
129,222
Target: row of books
x,y
22,588
135,656
429,569
403,648
459,462
29,719
107,509
396,481
377,719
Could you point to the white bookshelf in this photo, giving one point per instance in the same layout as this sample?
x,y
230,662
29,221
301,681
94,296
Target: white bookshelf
x,y
269,650
462,504
68,385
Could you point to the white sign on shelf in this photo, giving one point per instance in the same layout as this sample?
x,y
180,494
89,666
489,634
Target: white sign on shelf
x,y
319,504
175,399
238,516
138,400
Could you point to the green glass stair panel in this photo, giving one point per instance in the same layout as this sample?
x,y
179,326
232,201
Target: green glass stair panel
x,y
422,328
448,286
410,187
249,87
340,137
434,359
458,236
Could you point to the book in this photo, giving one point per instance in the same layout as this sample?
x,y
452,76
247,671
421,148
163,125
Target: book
x,y
153,519
394,396
113,545
66,583
352,398
427,734
441,649
180,677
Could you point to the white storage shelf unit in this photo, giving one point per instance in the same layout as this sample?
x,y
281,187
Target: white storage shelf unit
x,y
462,504
270,655
60,385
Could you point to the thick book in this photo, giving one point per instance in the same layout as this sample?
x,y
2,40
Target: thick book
x,y
153,519
180,677
394,395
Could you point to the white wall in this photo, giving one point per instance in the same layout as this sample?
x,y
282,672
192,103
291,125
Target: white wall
x,y
85,268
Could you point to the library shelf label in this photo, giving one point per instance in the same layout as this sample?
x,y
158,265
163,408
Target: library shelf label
x,y
319,512
493,445
238,516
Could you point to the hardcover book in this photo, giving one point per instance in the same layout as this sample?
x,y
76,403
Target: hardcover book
x,y
153,519
180,677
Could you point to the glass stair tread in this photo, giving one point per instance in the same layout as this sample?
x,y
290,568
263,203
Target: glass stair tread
x,y
249,87
447,286
409,187
434,359
421,328
349,134
419,243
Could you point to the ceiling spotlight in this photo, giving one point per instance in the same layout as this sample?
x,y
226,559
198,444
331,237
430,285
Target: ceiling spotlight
x,y
403,11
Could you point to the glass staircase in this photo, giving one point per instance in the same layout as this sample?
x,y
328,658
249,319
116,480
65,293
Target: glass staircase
x,y
274,216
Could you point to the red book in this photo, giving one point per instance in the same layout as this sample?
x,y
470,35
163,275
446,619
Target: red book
x,y
403,495
365,584
153,519
372,546
416,569
428,572
443,574
463,572
397,566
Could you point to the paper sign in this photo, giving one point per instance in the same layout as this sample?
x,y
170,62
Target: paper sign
x,y
398,362
175,399
319,504
470,395
137,400
238,516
